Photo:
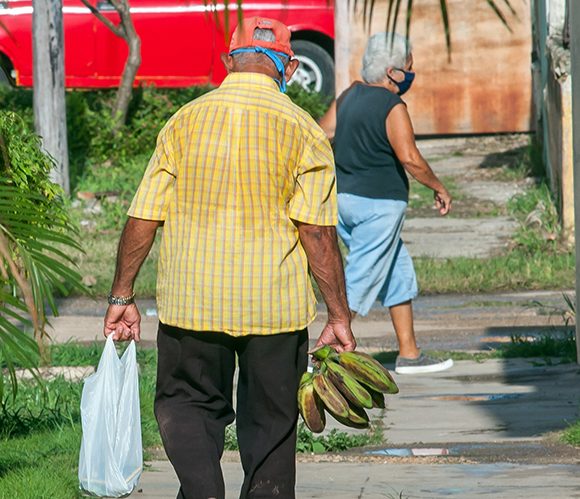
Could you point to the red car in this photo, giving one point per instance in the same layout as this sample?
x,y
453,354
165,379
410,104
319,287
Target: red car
x,y
181,41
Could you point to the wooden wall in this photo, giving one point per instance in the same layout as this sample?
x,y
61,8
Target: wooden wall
x,y
485,88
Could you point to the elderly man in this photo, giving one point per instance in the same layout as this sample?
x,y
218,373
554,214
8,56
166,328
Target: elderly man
x,y
242,181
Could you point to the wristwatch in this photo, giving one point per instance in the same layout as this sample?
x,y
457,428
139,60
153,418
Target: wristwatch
x,y
121,300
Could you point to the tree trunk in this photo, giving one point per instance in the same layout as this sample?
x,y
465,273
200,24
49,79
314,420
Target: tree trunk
x,y
125,30
49,95
131,65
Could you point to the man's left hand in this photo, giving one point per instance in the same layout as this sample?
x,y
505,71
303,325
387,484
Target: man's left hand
x,y
338,335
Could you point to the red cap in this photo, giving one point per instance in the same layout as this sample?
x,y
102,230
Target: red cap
x,y
243,35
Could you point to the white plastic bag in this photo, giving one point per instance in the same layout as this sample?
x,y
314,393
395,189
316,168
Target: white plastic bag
x,y
111,457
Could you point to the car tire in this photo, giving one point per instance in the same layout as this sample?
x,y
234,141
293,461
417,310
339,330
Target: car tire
x,y
316,70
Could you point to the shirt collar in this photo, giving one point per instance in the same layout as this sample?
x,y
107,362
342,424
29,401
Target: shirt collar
x,y
244,79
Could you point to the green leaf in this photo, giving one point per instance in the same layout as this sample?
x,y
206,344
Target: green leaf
x,y
318,447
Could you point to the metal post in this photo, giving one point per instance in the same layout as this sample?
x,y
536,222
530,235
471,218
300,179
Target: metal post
x,y
574,14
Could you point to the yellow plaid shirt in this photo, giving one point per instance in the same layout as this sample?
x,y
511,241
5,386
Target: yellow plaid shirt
x,y
231,170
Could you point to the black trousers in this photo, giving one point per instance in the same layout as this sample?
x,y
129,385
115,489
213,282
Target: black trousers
x,y
193,405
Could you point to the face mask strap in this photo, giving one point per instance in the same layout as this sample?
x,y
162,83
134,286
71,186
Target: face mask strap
x,y
404,85
275,58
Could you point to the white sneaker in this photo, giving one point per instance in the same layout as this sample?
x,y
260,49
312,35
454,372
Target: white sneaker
x,y
420,365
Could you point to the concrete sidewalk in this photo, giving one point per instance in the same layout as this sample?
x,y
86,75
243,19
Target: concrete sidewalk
x,y
476,430
479,429
390,480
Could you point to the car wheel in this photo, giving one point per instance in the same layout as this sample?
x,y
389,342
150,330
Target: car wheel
x,y
316,70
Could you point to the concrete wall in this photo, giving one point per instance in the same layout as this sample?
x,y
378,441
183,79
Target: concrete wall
x,y
485,88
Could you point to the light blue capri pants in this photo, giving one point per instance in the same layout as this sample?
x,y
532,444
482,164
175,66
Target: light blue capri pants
x,y
378,266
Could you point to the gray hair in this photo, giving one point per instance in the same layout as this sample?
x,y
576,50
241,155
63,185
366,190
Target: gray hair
x,y
384,50
265,35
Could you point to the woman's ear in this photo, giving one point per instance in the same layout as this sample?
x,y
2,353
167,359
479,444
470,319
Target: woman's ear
x,y
390,73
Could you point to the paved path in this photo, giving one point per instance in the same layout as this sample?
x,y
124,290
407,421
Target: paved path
x,y
390,480
472,164
458,322
476,430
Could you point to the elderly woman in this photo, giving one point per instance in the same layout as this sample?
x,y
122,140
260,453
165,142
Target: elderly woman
x,y
375,148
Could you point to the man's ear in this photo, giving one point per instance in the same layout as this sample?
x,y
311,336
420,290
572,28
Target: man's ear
x,y
228,62
291,67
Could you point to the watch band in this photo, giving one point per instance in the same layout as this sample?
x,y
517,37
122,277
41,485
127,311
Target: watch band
x,y
121,300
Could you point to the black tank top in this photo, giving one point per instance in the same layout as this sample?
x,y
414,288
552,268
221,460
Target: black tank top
x,y
366,164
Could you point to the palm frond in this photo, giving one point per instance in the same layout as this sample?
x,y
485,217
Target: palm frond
x,y
499,14
445,18
408,19
35,249
394,8
511,8
396,15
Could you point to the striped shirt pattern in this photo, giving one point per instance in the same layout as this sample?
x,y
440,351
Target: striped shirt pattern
x,y
230,172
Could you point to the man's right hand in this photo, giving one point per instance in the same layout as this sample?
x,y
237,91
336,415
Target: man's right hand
x,y
338,335
123,322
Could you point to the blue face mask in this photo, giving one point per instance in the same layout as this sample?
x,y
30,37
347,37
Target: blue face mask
x,y
276,58
404,85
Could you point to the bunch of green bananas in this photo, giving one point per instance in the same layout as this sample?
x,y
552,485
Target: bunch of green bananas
x,y
343,384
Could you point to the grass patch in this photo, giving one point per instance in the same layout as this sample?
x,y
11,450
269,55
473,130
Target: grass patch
x,y
40,429
543,346
518,270
40,466
572,435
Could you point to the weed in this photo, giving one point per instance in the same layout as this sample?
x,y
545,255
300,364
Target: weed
x,y
336,440
333,441
540,229
572,434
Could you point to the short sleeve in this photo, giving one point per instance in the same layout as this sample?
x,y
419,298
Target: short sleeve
x,y
156,188
314,199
